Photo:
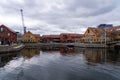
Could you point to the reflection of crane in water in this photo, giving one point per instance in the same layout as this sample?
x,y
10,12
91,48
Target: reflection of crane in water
x,y
21,73
26,54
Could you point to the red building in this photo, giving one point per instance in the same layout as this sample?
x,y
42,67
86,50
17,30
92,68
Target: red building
x,y
50,38
7,35
115,33
70,37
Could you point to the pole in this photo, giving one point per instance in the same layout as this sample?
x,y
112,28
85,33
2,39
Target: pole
x,y
105,36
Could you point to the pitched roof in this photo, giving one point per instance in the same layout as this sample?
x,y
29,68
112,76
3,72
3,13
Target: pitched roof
x,y
96,30
112,29
37,35
72,34
50,36
116,28
8,28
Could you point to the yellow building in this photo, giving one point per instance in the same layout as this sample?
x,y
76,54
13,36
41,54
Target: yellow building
x,y
29,37
95,35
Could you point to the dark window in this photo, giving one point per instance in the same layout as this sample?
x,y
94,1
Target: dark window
x,y
88,31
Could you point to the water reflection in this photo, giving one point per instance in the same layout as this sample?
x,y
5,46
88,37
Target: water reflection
x,y
29,52
61,63
91,55
5,58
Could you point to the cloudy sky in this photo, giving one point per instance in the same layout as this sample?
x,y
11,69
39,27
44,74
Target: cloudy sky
x,y
59,16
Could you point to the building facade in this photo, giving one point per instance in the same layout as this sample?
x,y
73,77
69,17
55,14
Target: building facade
x,y
7,36
29,37
51,38
95,35
115,33
70,37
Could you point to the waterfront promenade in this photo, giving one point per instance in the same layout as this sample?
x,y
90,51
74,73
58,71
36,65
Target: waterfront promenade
x,y
17,47
81,45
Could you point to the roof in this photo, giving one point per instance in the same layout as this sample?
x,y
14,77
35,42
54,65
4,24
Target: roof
x,y
8,28
72,34
96,30
37,35
104,30
113,29
51,36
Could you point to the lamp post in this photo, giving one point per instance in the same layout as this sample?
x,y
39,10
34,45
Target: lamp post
x,y
102,36
105,37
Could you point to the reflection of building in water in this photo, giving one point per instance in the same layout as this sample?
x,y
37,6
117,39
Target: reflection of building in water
x,y
29,52
66,50
113,56
93,55
99,56
50,48
5,58
62,50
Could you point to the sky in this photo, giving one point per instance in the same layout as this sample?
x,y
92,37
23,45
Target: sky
x,y
59,16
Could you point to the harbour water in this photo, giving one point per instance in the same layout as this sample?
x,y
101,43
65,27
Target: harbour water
x,y
51,63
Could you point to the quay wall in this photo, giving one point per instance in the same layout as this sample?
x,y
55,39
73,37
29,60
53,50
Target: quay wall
x,y
91,45
34,45
12,48
82,45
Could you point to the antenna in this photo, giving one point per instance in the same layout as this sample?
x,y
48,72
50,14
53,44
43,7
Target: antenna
x,y
24,28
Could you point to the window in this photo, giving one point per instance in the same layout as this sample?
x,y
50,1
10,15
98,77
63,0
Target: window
x,y
88,31
1,29
8,34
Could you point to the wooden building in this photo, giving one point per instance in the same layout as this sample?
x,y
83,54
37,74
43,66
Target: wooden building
x,y
7,36
115,33
70,37
29,53
96,35
51,38
29,37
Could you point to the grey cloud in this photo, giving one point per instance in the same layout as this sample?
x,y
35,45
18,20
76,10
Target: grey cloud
x,y
62,15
